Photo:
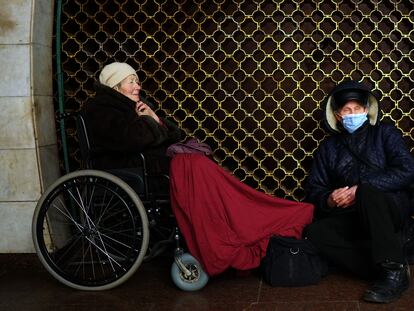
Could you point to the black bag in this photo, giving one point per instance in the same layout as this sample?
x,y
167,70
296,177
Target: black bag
x,y
292,262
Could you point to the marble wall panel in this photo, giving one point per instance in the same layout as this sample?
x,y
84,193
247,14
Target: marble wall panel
x,y
19,178
28,150
42,70
43,26
16,123
15,227
49,165
15,21
44,115
15,70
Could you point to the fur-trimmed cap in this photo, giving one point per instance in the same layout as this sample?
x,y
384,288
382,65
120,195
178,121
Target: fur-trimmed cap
x,y
114,73
343,93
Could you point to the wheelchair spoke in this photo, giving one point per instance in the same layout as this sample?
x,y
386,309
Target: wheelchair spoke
x,y
116,251
103,218
110,206
70,217
60,256
83,208
91,195
126,233
103,251
114,240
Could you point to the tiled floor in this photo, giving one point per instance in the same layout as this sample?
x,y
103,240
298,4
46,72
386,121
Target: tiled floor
x,y
26,286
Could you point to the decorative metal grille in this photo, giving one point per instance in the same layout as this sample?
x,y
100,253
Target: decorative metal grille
x,y
247,77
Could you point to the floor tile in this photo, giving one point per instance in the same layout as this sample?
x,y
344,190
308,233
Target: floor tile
x,y
335,287
26,285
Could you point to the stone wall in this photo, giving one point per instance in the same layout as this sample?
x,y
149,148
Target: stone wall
x,y
28,151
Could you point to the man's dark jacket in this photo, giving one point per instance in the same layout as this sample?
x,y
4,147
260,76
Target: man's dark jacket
x,y
387,163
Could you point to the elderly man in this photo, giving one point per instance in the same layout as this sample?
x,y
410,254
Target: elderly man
x,y
359,184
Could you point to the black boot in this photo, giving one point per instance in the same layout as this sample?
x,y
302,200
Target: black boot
x,y
393,281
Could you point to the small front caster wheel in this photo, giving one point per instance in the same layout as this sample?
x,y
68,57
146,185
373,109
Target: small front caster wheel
x,y
187,273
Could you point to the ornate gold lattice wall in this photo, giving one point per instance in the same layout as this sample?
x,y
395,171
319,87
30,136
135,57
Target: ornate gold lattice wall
x,y
247,77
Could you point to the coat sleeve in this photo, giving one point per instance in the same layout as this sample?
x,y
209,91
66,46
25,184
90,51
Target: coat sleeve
x,y
174,133
319,183
117,131
399,171
144,132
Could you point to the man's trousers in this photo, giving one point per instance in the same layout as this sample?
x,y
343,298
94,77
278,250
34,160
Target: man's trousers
x,y
362,236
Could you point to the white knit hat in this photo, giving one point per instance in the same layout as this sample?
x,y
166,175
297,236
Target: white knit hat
x,y
114,73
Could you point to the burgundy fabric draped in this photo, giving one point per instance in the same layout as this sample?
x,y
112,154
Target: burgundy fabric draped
x,y
226,223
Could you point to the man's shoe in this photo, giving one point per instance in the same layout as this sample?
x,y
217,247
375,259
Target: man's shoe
x,y
394,280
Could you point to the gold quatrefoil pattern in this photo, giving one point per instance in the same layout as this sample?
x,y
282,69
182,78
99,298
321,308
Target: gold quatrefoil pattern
x,y
247,77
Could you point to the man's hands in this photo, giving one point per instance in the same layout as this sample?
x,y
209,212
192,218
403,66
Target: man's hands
x,y
342,197
143,109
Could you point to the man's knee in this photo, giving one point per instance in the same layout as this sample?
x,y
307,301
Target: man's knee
x,y
314,231
368,190
371,199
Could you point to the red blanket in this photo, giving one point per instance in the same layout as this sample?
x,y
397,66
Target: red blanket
x,y
226,223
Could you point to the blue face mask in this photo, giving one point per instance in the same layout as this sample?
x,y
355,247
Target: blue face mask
x,y
352,122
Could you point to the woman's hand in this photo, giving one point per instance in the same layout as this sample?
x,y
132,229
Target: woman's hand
x,y
342,197
143,109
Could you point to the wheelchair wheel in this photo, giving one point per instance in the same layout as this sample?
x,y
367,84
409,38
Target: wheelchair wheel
x,y
190,276
90,230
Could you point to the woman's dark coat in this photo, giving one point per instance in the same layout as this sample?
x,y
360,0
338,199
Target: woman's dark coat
x,y
117,134
388,165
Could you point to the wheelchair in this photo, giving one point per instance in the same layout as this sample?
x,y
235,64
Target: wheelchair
x,y
92,229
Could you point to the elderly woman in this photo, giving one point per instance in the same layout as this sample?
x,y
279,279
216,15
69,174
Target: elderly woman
x,y
359,186
121,124
224,222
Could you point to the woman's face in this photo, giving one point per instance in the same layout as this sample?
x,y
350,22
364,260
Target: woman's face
x,y
129,87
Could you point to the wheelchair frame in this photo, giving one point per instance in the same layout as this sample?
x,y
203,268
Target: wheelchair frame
x,y
92,231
